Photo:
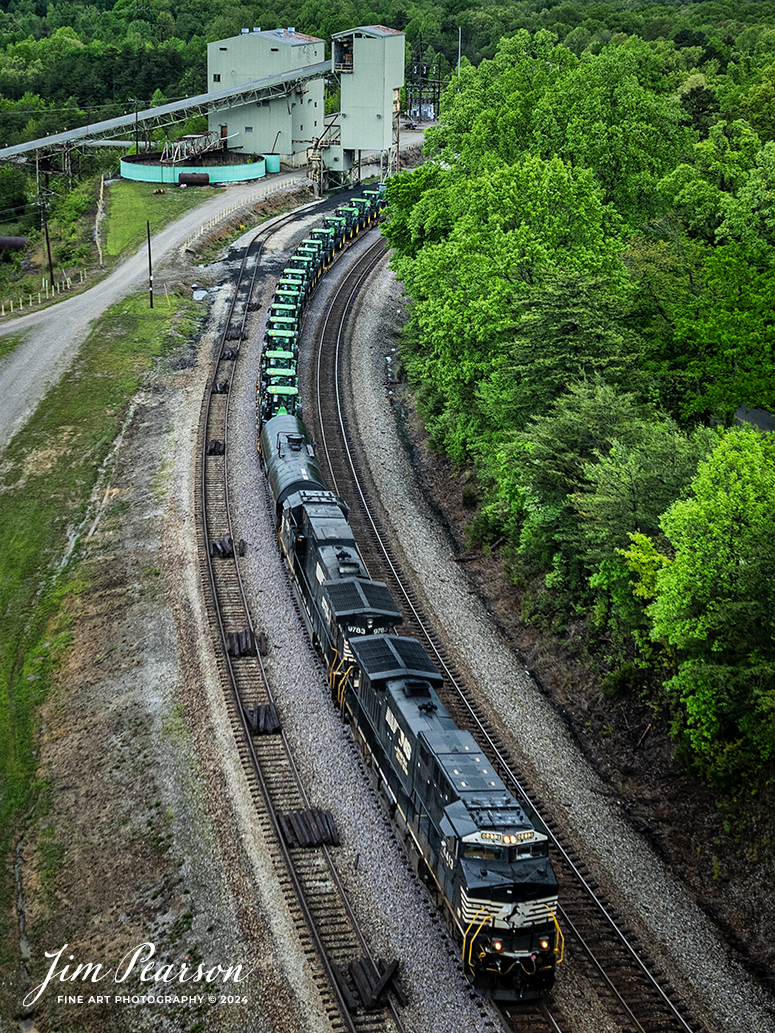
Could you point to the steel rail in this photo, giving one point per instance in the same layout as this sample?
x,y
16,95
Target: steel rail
x,y
354,1024
482,730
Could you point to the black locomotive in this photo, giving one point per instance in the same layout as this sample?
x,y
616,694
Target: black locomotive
x,y
483,854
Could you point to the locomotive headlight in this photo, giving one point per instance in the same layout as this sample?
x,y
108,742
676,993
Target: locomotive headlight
x,y
544,945
497,945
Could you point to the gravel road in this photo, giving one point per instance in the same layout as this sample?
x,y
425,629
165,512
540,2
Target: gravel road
x,y
55,334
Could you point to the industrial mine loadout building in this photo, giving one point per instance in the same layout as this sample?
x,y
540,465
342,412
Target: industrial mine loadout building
x,y
369,62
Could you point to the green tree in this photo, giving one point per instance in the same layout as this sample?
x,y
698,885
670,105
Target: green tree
x,y
616,113
515,225
572,329
724,341
540,472
715,603
490,110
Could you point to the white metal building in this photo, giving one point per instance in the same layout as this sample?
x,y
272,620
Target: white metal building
x,y
284,125
370,62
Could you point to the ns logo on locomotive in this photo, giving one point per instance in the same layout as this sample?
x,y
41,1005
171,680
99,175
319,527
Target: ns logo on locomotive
x,y
483,854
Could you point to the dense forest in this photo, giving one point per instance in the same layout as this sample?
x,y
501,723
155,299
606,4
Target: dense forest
x,y
589,249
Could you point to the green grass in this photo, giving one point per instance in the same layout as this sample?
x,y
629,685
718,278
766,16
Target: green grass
x,y
8,342
48,474
130,205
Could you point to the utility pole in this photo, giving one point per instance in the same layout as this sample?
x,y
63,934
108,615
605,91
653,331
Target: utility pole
x,y
43,206
150,266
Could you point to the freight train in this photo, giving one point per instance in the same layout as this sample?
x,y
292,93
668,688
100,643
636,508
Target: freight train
x,y
482,853
278,385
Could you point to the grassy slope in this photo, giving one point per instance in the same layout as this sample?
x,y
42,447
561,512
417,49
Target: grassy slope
x,y
131,205
49,473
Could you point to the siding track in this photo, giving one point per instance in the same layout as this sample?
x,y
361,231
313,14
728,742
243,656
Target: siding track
x,y
326,926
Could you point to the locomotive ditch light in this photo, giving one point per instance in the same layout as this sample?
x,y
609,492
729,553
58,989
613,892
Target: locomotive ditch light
x,y
497,945
544,944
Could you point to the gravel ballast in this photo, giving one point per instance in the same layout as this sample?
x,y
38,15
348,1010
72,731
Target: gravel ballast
x,y
681,938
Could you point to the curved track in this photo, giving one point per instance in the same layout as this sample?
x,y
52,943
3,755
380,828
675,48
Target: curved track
x,y
327,928
630,992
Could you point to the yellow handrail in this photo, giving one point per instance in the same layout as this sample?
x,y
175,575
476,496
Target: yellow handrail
x,y
335,663
342,687
473,938
560,937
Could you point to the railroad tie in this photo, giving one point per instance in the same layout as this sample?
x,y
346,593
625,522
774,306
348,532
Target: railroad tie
x,y
268,721
362,984
368,982
309,828
285,828
298,829
241,643
251,716
333,831
350,1002
395,986
381,985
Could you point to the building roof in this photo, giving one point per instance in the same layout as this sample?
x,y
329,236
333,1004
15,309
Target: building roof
x,y
289,36
369,30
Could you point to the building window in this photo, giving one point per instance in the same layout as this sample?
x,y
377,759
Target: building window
x,y
300,128
223,48
248,129
216,78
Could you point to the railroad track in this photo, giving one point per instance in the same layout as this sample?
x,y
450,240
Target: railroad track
x,y
326,926
636,997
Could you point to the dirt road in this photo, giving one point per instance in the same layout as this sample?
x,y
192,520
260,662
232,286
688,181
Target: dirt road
x,y
55,334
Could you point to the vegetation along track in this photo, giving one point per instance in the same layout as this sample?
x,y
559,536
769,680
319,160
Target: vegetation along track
x,y
635,997
327,928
